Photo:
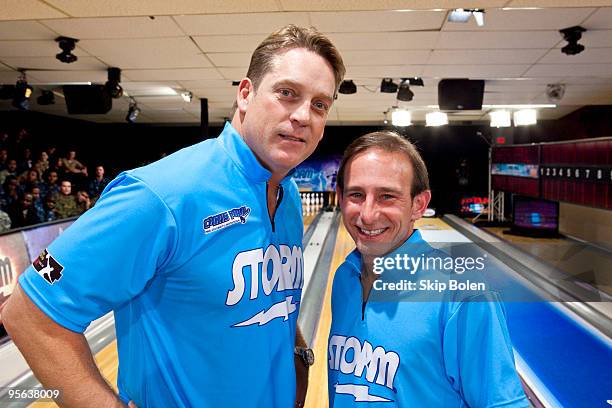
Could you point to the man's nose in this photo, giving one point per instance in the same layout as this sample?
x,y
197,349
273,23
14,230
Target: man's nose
x,y
301,113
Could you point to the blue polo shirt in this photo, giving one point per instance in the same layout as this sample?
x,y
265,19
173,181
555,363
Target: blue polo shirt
x,y
420,352
205,288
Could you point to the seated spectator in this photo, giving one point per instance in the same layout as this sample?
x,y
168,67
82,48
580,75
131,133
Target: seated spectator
x,y
49,209
72,166
42,164
51,186
37,202
65,203
98,183
11,170
29,181
10,192
83,201
5,221
3,158
25,162
22,212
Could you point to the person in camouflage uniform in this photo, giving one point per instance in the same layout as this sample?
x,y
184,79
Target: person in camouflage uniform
x,y
65,203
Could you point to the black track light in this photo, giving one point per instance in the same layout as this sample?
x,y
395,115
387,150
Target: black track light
x,y
347,87
112,84
388,86
572,35
66,44
23,91
404,93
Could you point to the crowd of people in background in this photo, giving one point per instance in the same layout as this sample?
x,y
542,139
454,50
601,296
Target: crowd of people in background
x,y
41,184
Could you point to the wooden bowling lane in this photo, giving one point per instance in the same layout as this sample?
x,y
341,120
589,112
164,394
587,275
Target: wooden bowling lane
x,y
317,379
106,361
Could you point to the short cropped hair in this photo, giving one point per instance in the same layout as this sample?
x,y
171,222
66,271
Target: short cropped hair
x,y
389,142
290,37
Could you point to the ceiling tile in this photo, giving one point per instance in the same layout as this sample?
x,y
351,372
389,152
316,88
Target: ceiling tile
x,y
34,63
600,20
147,53
399,57
205,83
80,8
230,59
474,71
27,10
25,30
254,23
497,39
447,57
324,5
555,3
229,43
383,71
523,20
115,27
384,41
233,74
67,76
546,70
365,21
171,74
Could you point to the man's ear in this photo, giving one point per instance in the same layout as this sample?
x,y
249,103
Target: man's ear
x,y
419,204
246,90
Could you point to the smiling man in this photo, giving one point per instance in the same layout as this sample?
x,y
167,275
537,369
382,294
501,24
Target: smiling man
x,y
199,255
406,351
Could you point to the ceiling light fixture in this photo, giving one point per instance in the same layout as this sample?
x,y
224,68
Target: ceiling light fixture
x,y
347,87
388,86
555,92
66,44
23,91
500,118
463,16
112,84
404,93
187,96
572,35
133,111
401,117
436,119
525,117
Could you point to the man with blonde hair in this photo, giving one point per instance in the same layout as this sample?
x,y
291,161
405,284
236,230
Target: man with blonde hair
x,y
203,272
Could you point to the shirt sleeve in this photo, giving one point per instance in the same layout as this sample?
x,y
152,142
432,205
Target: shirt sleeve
x,y
105,258
478,355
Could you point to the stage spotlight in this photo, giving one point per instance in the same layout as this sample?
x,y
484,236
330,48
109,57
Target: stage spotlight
x,y
388,86
133,111
463,16
572,35
347,87
525,117
416,81
112,84
23,91
46,98
401,117
66,44
500,118
404,93
436,119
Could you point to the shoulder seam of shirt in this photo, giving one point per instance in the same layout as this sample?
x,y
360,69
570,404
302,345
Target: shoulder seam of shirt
x,y
161,200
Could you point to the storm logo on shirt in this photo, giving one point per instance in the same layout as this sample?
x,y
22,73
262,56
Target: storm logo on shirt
x,y
274,269
349,356
47,267
225,219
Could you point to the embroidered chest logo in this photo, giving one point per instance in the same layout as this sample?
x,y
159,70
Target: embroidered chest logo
x,y
48,267
225,219
350,356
